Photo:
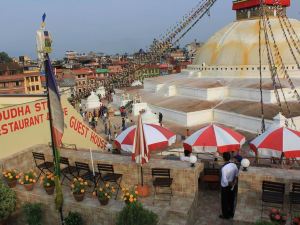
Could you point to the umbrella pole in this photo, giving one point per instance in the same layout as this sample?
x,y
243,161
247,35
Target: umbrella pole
x,y
142,177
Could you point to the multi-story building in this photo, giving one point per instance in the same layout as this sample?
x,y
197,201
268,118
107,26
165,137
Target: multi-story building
x,y
33,83
81,78
29,83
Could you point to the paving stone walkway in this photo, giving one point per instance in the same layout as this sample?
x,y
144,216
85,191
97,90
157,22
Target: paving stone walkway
x,y
209,210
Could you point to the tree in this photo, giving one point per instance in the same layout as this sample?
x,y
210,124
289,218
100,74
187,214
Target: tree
x,y
4,58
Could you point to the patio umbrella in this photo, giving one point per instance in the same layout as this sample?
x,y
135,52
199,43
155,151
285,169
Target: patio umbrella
x,y
277,140
156,137
214,138
140,152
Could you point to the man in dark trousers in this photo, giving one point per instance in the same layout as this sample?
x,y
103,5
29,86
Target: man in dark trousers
x,y
160,117
229,174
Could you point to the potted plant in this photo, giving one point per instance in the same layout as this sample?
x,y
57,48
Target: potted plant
x,y
33,213
277,216
135,214
130,195
78,187
28,180
11,177
104,193
73,218
48,183
8,202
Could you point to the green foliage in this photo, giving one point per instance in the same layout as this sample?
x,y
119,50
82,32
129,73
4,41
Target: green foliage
x,y
4,58
33,213
265,223
8,201
135,214
74,218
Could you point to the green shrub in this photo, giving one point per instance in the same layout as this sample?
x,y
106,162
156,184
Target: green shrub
x,y
33,213
135,214
8,201
74,218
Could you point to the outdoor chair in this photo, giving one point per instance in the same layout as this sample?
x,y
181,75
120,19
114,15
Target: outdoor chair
x,y
67,170
162,179
294,197
107,174
84,172
272,194
42,164
211,177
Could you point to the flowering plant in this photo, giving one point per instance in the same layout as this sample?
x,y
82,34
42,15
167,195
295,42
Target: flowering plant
x,y
296,220
278,216
129,195
78,186
28,178
48,180
105,192
11,175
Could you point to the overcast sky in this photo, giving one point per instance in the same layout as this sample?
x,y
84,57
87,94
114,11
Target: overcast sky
x,y
109,26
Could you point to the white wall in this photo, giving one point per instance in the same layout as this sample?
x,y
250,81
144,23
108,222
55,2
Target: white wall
x,y
242,122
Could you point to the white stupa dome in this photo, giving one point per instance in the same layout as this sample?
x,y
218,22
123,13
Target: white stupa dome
x,y
237,44
92,101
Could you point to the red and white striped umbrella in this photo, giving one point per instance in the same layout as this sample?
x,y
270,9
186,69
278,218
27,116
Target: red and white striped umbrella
x,y
276,141
156,137
214,138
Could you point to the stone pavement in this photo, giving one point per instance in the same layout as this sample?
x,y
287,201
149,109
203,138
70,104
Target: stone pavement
x,y
208,210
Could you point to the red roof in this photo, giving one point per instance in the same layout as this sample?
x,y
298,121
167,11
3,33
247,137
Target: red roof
x,y
82,71
17,77
243,4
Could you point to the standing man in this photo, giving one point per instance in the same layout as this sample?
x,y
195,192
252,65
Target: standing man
x,y
229,174
160,117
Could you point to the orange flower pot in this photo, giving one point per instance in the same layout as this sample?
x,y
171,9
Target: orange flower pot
x,y
143,191
78,197
50,190
11,183
29,187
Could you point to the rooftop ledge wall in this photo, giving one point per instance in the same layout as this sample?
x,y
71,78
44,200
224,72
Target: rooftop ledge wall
x,y
250,187
184,187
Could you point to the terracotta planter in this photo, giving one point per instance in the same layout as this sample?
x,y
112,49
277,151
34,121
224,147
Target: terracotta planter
x,y
104,201
143,191
78,197
3,222
50,190
29,187
11,184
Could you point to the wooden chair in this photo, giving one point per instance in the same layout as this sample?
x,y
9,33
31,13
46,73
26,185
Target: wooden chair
x,y
211,177
42,164
107,174
272,194
294,196
67,169
162,179
83,171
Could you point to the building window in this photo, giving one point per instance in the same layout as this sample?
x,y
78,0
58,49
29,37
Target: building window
x,y
33,88
31,79
28,89
37,87
17,83
36,78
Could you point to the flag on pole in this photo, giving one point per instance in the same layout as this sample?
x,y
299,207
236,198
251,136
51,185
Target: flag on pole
x,y
55,104
43,20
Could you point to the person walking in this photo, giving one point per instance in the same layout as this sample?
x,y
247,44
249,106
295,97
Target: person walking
x,y
229,174
123,124
160,118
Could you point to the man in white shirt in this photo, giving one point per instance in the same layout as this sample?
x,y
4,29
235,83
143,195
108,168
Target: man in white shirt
x,y
229,174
